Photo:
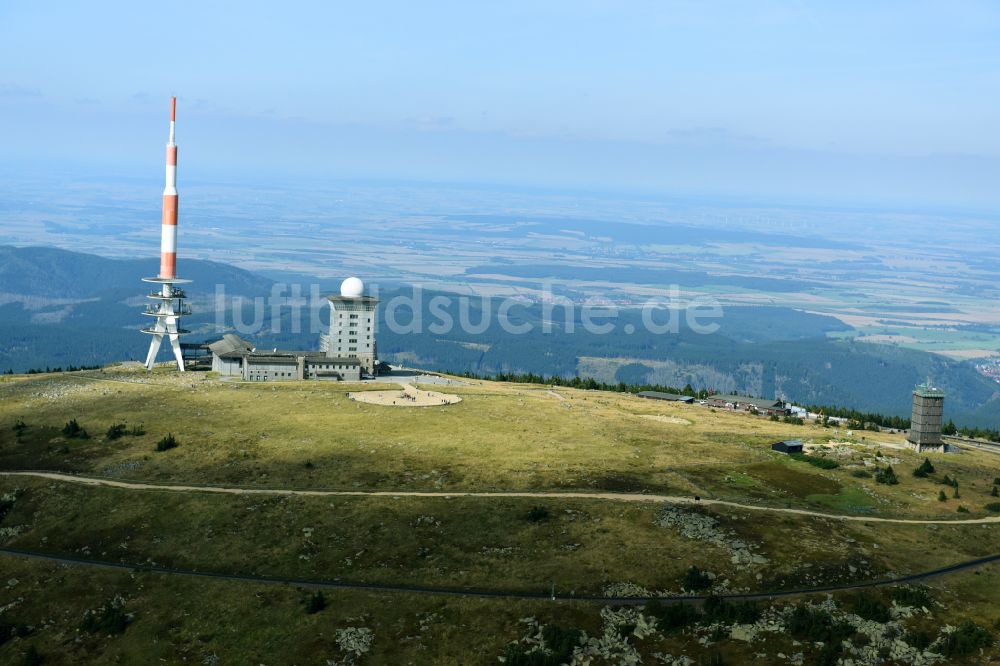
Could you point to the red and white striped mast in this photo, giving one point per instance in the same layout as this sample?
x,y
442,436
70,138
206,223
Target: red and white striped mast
x,y
171,306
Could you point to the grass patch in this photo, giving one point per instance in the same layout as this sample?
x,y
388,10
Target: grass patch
x,y
815,461
851,499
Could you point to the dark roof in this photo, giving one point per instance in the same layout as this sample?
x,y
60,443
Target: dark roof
x,y
272,358
660,395
333,359
787,445
228,344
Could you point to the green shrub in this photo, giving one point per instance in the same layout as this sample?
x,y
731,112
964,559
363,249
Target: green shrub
x,y
5,507
719,610
672,616
965,640
955,494
20,426
73,430
695,579
886,476
942,497
816,461
912,595
9,630
109,619
316,602
962,509
924,469
861,474
817,625
559,645
919,639
994,492
715,658
32,657
537,514
561,641
116,431
996,481
870,607
137,430
167,443
993,506
793,420
829,655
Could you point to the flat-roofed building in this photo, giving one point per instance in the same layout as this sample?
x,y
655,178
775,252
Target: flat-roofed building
x,y
788,446
234,357
669,397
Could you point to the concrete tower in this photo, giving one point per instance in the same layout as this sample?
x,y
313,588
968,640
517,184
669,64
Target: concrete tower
x,y
352,326
168,306
925,421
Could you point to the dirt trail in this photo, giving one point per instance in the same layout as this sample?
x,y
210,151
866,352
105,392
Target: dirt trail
x,y
485,593
618,497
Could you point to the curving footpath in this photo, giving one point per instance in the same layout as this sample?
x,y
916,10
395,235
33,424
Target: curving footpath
x,y
618,497
489,594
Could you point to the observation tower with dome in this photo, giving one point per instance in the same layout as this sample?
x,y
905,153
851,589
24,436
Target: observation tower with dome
x,y
352,326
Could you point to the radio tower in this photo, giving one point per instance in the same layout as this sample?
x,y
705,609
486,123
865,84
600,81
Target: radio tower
x,y
168,306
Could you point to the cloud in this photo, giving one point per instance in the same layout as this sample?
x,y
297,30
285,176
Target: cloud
x,y
17,90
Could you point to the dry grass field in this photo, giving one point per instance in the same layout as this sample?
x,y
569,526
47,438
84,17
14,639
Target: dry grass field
x,y
500,437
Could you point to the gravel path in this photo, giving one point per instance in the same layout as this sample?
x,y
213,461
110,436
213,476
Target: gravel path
x,y
619,497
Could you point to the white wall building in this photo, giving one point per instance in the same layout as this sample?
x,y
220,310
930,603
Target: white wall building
x,y
352,326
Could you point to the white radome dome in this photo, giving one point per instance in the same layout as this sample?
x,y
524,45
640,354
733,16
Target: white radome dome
x,y
352,287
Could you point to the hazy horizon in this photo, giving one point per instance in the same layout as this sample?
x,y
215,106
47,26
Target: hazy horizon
x,y
891,105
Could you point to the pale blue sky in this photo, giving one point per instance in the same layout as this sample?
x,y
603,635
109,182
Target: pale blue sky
x,y
867,101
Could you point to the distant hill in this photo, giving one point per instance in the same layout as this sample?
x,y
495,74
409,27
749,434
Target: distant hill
x,y
53,273
98,312
759,350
